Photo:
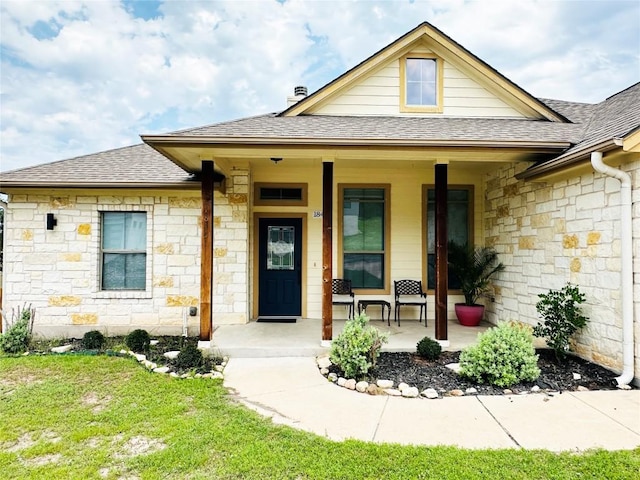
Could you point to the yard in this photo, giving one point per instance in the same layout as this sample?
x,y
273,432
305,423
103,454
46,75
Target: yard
x,y
84,417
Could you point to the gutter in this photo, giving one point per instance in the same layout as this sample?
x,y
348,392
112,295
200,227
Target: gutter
x,y
626,259
208,141
567,160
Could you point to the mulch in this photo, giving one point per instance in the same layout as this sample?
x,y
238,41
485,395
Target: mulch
x,y
421,373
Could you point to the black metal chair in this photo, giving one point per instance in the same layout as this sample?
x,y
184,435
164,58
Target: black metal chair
x,y
342,294
409,292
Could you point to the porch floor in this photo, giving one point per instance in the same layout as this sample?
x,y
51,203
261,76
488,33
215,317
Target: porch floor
x,y
303,338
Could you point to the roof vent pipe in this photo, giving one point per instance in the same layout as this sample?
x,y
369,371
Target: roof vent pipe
x,y
626,260
300,90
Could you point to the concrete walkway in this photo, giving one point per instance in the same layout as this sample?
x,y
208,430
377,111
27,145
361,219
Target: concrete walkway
x,y
291,391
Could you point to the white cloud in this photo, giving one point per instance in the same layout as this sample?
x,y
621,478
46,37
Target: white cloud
x,y
81,77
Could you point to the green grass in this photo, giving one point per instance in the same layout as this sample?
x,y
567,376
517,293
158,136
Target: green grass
x,y
75,417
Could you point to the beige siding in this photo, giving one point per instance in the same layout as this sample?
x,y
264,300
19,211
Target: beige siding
x,y
379,94
406,221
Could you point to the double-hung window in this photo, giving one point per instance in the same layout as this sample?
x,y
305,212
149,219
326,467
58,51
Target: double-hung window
x,y
459,226
123,250
365,238
421,84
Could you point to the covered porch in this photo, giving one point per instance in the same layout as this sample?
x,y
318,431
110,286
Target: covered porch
x,y
263,339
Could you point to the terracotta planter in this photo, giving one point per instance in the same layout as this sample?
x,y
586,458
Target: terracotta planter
x,y
469,315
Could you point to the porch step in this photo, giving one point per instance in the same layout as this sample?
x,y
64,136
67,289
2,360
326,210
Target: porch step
x,y
266,352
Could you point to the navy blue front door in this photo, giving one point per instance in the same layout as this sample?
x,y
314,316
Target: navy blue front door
x,y
280,269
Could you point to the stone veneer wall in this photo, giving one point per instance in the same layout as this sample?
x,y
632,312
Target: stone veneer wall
x,y
58,271
231,244
567,231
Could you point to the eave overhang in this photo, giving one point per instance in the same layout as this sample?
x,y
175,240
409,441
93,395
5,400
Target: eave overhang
x,y
188,152
191,184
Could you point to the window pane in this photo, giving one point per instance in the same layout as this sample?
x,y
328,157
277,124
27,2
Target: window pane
x,y
113,271
458,211
420,81
135,231
364,270
363,226
113,231
135,271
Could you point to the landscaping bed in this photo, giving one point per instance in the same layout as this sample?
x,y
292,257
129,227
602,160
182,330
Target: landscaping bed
x,y
572,374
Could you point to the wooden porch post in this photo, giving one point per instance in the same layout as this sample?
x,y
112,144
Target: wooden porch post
x,y
442,282
327,250
206,267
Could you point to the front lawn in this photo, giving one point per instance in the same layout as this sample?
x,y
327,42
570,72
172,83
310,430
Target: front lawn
x,y
82,417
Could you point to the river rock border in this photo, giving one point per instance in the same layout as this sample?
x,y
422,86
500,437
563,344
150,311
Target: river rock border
x,y
387,387
216,373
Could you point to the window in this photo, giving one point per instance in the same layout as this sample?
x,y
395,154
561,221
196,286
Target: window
x,y
364,238
280,194
459,226
124,250
421,84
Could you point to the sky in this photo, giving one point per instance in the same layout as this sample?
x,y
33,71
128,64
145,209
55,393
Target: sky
x,y
80,77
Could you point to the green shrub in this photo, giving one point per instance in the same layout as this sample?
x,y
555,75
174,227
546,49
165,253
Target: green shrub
x,y
429,348
18,335
562,317
503,356
93,340
357,348
138,340
189,357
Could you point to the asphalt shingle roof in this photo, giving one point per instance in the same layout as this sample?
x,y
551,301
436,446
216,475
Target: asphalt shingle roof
x,y
137,164
389,128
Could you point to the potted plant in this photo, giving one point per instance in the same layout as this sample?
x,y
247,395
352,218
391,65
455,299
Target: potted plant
x,y
474,268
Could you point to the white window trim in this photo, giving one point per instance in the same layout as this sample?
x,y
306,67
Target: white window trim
x,y
96,235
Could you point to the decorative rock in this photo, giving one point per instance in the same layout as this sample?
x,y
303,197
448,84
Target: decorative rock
x,y
410,392
161,370
219,368
430,393
150,365
453,366
403,386
350,384
577,376
393,392
172,355
324,371
324,362
624,387
333,377
506,391
184,375
62,349
582,389
373,389
456,393
342,381
124,352
173,374
154,342
471,391
198,375
525,392
215,375
384,384
535,389
140,357
362,386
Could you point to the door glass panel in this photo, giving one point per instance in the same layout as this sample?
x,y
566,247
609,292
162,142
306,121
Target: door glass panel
x,y
280,248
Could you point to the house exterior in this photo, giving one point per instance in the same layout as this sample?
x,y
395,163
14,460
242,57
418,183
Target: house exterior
x,y
366,178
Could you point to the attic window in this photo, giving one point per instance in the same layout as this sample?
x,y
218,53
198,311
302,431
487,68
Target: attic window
x,y
280,194
421,83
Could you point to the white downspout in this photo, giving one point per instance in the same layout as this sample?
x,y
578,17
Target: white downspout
x,y
626,259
